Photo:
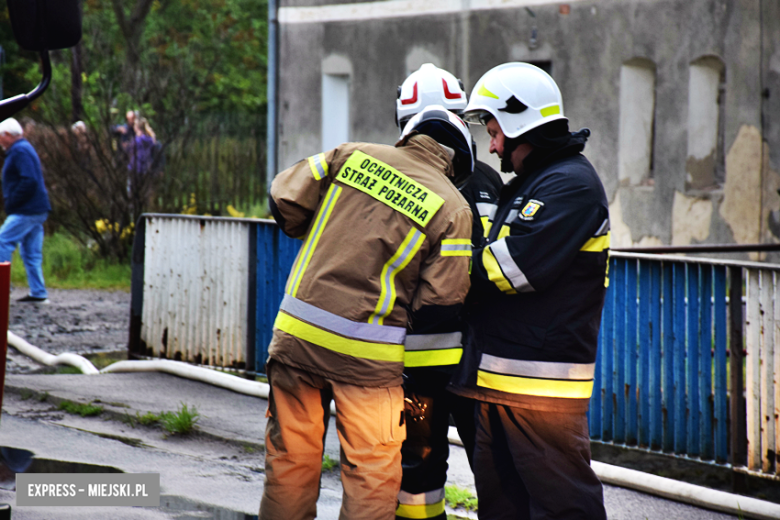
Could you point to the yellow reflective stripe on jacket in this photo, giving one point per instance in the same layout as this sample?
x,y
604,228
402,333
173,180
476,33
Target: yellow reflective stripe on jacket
x,y
350,347
535,387
456,247
537,378
428,350
536,369
487,212
390,187
433,358
419,511
310,245
486,225
406,251
318,165
342,326
494,272
504,232
596,244
509,267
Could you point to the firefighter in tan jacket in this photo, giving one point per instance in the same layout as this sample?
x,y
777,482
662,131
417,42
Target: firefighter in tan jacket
x,y
386,241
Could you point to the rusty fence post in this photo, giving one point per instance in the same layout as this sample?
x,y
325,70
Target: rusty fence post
x,y
738,408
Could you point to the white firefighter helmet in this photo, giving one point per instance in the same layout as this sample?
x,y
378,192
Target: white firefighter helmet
x,y
429,85
519,96
447,129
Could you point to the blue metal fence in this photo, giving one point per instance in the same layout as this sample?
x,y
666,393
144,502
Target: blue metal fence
x,y
661,371
276,253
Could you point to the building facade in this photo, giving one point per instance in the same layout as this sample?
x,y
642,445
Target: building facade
x,y
682,96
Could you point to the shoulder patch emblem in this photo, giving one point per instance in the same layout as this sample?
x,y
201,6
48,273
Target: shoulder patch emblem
x,y
530,210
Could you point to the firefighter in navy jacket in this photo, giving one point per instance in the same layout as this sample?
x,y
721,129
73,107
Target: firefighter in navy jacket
x,y
538,289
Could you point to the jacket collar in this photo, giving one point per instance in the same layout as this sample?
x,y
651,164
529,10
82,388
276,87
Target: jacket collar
x,y
424,146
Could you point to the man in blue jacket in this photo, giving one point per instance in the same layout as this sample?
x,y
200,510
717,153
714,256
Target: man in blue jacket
x,y
27,206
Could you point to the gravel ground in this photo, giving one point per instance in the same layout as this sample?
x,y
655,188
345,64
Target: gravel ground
x,y
78,321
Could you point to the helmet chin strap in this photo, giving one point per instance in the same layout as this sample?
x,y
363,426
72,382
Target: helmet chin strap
x,y
510,145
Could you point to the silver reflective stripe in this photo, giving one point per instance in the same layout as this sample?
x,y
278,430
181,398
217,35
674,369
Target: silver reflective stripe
x,y
318,162
538,369
433,341
421,499
512,272
456,247
486,209
342,326
292,282
411,247
511,216
603,230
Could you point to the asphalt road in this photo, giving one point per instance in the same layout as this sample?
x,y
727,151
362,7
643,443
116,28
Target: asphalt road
x,y
216,472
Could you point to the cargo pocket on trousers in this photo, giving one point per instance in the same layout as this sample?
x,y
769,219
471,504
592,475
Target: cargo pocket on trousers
x,y
391,411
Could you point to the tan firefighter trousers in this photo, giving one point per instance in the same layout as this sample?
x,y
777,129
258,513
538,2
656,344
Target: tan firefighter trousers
x,y
368,421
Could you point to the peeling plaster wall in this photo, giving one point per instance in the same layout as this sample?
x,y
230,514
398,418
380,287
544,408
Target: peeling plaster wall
x,y
587,49
742,193
691,217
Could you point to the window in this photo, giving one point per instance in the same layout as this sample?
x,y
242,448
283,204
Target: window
x,y
637,121
544,65
335,110
705,164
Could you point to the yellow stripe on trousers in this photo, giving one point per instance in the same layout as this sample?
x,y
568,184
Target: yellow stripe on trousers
x,y
420,511
307,250
350,347
406,251
536,387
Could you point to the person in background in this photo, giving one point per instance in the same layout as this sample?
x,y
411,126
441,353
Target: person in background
x,y
126,131
540,282
142,147
26,205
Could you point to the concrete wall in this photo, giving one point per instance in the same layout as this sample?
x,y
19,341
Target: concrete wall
x,y
588,44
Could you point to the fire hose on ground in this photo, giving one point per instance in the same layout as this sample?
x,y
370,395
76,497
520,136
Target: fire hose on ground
x,y
659,486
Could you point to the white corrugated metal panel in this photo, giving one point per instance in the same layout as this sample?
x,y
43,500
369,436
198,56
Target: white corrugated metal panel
x,y
761,370
195,289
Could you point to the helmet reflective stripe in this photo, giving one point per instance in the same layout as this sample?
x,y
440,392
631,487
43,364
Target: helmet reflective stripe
x,y
429,85
441,114
519,96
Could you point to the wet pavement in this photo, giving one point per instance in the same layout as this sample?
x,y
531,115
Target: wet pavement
x,y
216,472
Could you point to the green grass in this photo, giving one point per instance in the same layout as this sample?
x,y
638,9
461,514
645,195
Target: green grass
x,y
69,265
328,464
459,497
84,410
148,418
181,421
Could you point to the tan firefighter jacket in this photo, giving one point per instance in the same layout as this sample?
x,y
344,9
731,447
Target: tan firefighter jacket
x,y
386,235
